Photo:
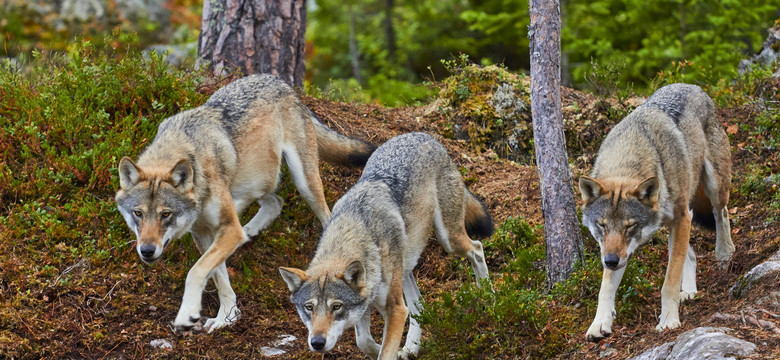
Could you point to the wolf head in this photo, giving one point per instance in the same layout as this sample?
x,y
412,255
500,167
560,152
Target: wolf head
x,y
157,204
622,214
329,303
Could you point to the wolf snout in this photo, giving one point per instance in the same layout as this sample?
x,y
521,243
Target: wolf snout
x,y
611,261
318,343
147,251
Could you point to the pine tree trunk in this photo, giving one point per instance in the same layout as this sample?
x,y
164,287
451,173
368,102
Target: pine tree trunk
x,y
390,31
563,241
256,36
354,53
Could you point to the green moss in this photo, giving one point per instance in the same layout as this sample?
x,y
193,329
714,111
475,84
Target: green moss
x,y
487,106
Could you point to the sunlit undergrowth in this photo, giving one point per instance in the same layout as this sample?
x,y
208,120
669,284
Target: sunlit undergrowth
x,y
521,316
65,121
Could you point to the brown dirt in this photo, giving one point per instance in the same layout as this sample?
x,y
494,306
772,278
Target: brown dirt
x,y
507,188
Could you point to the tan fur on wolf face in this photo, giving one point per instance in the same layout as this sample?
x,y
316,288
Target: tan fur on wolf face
x,y
667,156
371,245
207,164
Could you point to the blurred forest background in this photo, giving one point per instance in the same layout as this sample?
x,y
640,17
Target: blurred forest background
x,y
85,82
384,51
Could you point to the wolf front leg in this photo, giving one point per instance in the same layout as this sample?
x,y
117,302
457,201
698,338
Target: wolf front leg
x,y
228,237
605,313
395,318
670,292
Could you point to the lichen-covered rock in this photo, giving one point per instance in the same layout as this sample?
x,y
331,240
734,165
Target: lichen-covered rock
x,y
770,51
746,282
705,343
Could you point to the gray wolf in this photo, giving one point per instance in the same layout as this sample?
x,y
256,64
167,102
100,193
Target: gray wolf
x,y
205,165
378,231
667,156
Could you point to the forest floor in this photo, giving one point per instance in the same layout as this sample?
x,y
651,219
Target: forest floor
x,y
138,302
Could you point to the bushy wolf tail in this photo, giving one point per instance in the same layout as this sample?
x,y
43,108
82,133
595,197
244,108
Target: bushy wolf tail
x,y
340,149
479,224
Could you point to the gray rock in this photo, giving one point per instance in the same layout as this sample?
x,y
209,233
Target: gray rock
x,y
658,352
275,348
746,282
768,53
709,343
506,104
161,344
704,343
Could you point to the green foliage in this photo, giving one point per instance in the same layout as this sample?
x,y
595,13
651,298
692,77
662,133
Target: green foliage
x,y
712,36
71,117
65,121
639,38
488,107
26,25
512,311
521,317
380,89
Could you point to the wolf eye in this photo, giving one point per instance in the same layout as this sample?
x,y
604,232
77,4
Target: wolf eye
x,y
308,307
165,214
138,213
336,307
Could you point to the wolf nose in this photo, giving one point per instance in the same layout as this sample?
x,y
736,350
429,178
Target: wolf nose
x,y
318,342
147,250
611,260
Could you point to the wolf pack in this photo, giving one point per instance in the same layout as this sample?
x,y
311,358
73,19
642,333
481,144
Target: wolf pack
x,y
667,163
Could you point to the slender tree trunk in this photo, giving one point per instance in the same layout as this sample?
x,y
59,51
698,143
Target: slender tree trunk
x,y
390,31
354,53
563,241
256,36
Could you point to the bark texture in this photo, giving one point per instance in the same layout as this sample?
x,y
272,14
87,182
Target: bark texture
x,y
256,36
563,241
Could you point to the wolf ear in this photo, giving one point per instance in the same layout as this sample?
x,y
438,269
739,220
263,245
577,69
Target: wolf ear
x,y
181,175
129,173
590,189
647,191
355,275
293,277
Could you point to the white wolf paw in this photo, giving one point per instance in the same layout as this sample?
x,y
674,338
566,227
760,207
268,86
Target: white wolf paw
x,y
222,321
598,331
187,319
668,322
405,354
687,295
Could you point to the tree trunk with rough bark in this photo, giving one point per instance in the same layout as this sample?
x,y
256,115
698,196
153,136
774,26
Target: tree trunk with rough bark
x,y
256,36
563,241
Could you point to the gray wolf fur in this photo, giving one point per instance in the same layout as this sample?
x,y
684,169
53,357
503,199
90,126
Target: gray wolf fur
x,y
207,164
378,231
669,155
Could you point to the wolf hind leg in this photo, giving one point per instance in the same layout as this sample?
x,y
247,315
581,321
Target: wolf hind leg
x,y
716,187
305,173
228,312
451,234
365,341
414,335
270,208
